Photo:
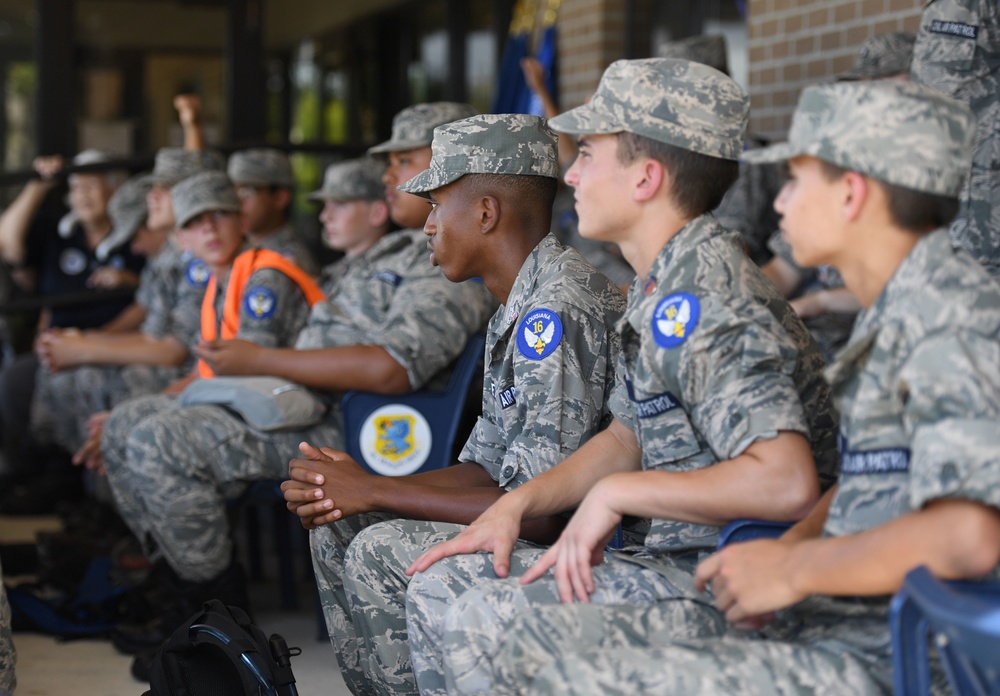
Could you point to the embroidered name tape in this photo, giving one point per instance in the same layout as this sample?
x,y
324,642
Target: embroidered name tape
x,y
393,279
965,31
880,461
654,405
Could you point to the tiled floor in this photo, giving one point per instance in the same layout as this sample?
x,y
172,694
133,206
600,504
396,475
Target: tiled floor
x,y
46,667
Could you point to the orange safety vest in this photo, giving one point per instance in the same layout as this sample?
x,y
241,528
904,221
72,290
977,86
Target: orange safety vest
x,y
245,265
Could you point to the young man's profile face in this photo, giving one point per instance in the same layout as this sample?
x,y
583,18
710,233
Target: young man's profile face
x,y
261,207
600,189
452,229
347,225
405,209
809,207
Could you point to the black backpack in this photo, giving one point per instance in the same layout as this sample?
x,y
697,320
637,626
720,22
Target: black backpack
x,y
220,652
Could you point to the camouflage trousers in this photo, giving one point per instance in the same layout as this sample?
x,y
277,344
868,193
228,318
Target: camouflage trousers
x,y
172,471
64,401
457,611
329,545
8,657
673,647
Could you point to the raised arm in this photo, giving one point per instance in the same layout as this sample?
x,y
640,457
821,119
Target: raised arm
x,y
16,219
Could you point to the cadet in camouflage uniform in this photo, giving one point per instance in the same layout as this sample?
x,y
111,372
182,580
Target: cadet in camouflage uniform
x,y
345,195
720,408
957,51
820,298
919,481
551,353
267,306
94,373
8,656
394,323
265,185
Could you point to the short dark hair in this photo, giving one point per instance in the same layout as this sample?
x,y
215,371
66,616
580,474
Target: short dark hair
x,y
532,193
699,181
915,211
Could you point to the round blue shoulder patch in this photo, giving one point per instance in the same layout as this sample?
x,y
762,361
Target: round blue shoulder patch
x,y
260,302
539,333
197,273
674,319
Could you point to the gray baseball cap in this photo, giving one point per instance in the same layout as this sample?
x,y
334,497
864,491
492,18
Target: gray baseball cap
x,y
173,164
414,126
201,193
260,167
674,101
901,133
708,49
352,180
884,55
127,211
489,144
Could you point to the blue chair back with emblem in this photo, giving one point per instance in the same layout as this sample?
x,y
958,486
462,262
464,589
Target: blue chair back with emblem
x,y
410,433
962,618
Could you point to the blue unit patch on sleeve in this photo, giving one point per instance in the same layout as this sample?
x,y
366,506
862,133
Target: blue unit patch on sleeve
x,y
539,333
389,277
674,318
260,302
197,273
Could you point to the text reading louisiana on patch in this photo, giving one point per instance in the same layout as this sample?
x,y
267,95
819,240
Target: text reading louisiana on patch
x,y
197,273
539,333
675,318
260,302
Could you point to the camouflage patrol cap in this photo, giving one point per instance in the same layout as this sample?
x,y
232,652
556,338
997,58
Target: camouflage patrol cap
x,y
260,167
901,133
201,193
881,56
710,50
489,144
127,211
678,102
174,164
414,126
353,180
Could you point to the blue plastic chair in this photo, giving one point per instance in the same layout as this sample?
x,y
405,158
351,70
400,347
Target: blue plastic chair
x,y
963,618
748,530
442,411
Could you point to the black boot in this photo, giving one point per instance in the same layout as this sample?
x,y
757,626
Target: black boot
x,y
166,602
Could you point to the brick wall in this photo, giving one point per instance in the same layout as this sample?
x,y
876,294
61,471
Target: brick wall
x,y
794,43
591,36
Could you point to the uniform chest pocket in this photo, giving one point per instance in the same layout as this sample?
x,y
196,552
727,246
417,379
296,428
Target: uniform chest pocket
x,y
665,432
945,50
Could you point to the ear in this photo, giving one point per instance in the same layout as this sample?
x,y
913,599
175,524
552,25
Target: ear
x,y
378,213
284,197
489,213
856,194
651,176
